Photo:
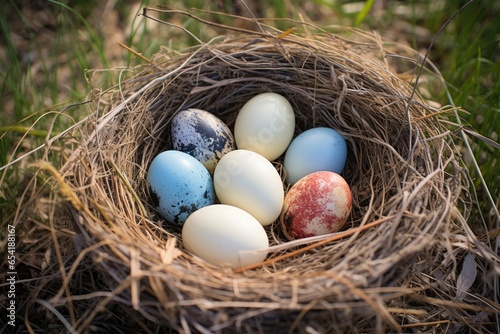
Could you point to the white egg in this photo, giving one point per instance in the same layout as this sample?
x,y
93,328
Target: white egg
x,y
225,235
265,124
249,181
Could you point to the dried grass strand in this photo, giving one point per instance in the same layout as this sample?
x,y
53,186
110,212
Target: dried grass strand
x,y
315,245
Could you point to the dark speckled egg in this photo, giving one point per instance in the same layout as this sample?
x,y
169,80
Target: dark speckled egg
x,y
201,135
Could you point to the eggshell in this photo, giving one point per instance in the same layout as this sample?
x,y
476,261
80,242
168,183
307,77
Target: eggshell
x,y
319,203
317,149
225,235
201,135
265,125
179,185
249,181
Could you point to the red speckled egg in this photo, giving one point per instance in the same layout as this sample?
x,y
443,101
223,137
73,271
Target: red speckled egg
x,y
319,203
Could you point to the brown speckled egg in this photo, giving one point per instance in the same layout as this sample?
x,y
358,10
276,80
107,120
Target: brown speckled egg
x,y
201,135
319,203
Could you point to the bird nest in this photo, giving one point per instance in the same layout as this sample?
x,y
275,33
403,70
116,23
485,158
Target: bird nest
x,y
405,178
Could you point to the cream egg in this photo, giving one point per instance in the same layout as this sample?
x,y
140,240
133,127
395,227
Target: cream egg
x,y
225,236
249,181
265,124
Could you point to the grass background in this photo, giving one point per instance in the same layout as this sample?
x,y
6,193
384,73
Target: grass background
x,y
53,53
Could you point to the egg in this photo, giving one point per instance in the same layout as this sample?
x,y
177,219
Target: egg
x,y
201,135
179,185
316,149
319,203
247,180
225,235
265,124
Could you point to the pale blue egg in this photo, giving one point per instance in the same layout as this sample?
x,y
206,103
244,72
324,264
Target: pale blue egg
x,y
179,185
314,150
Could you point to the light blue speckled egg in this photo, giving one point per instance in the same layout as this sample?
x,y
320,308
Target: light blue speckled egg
x,y
179,185
201,135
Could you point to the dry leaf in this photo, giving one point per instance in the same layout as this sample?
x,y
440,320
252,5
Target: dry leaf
x,y
467,276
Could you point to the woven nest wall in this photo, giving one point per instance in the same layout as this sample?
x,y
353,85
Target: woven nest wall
x,y
405,180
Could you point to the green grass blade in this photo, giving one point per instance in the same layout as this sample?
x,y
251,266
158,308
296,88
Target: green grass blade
x,y
95,41
363,13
